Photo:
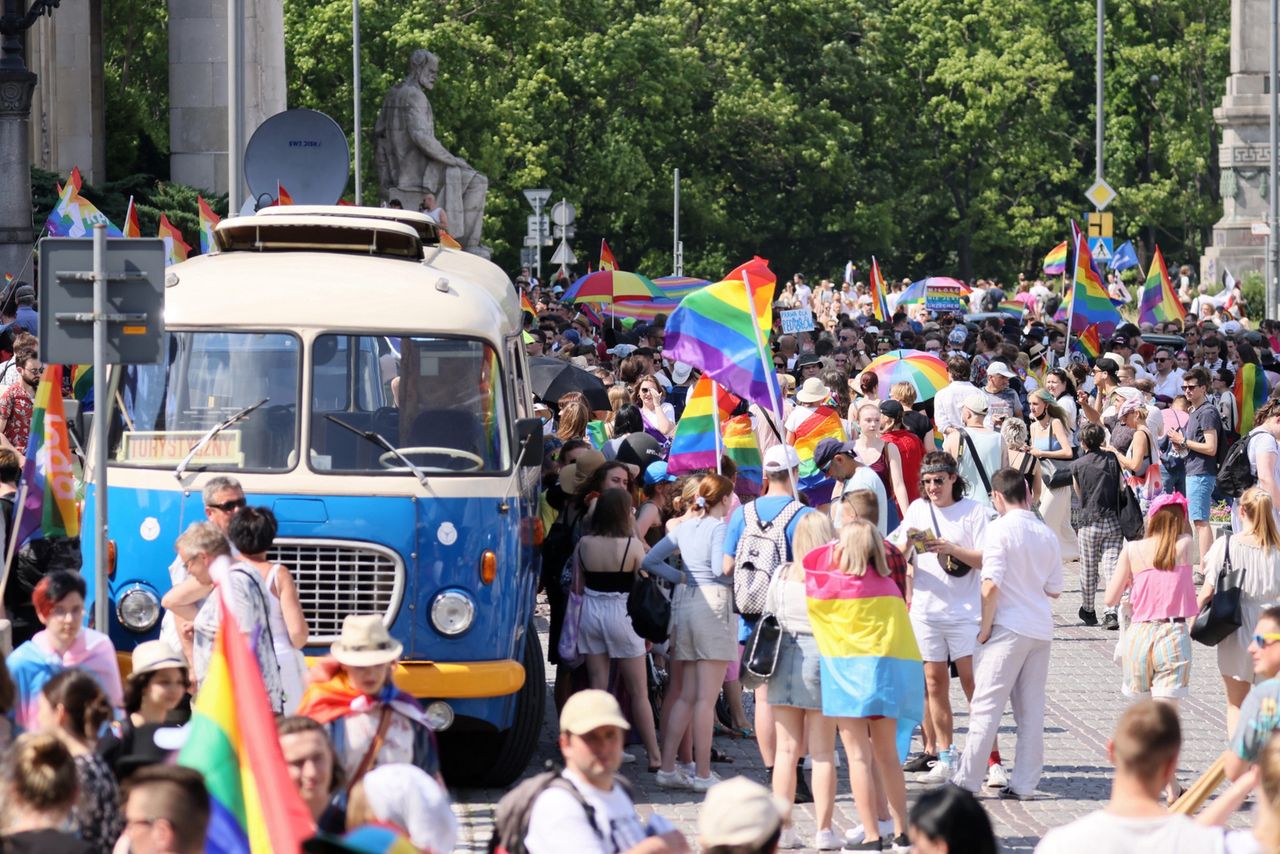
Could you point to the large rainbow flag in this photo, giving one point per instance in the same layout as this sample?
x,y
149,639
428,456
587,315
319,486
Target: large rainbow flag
x,y
879,305
711,329
50,504
823,423
208,219
741,446
1055,263
1159,303
175,248
74,215
1250,391
232,742
696,444
1088,302
870,663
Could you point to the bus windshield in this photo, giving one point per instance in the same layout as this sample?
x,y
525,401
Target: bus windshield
x,y
162,411
439,401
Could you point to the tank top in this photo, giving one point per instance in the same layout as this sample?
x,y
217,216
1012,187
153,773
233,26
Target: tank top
x,y
275,615
911,449
1047,443
1159,594
988,445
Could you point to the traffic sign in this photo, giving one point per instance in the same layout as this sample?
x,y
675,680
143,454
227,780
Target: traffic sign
x,y
1100,224
532,240
1100,194
1102,248
564,255
563,213
537,226
537,198
564,231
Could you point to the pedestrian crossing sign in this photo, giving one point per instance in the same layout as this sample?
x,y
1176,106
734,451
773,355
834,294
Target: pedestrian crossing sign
x,y
1102,249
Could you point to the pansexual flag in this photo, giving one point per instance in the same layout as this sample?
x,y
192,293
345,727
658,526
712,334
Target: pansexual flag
x,y
1088,302
696,443
607,261
1055,263
208,219
741,446
74,215
175,248
823,423
50,505
255,807
870,663
1159,303
1250,392
131,227
711,329
1089,342
879,306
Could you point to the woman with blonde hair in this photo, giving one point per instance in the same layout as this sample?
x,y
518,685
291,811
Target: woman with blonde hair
x,y
1254,555
574,416
795,689
703,629
883,458
1051,444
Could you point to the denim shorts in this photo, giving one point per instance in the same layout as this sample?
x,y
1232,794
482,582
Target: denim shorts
x,y
796,681
1200,496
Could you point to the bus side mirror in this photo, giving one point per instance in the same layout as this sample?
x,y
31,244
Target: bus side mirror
x,y
529,431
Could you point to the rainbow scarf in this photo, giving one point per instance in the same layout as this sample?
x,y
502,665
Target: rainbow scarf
x,y
1088,302
711,330
208,219
50,505
232,741
176,249
870,663
1055,263
1250,392
333,698
1159,304
696,443
741,446
823,423
36,662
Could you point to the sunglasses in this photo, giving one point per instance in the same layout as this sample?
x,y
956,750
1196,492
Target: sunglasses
x,y
1264,641
228,506
934,481
1190,386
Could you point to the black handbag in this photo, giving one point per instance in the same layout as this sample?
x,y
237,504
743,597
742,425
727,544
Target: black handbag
x,y
1132,524
1221,615
760,655
648,608
951,565
1055,474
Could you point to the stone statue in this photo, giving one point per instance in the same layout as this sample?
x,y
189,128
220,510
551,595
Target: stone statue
x,y
412,163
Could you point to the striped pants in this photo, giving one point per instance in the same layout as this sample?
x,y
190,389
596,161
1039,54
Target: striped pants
x,y
1100,544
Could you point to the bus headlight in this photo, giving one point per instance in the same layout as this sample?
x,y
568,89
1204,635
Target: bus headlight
x,y
138,609
439,715
452,612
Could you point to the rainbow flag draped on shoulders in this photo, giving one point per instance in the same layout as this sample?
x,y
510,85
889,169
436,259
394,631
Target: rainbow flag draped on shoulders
x,y
1159,303
823,423
208,219
1055,263
1250,391
868,650
232,742
50,504
742,447
1088,301
696,444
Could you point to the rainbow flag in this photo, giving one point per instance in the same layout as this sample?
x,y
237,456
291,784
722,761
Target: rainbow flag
x,y
1089,342
282,195
868,651
824,423
678,287
1055,263
944,297
82,386
175,248
1159,303
232,742
696,443
879,306
1250,391
448,241
527,306
208,219
711,330
50,506
1088,302
597,434
740,445
1013,308
131,227
74,215
607,261
592,314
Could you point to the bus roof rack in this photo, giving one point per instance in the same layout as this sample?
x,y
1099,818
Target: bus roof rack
x,y
428,230
301,232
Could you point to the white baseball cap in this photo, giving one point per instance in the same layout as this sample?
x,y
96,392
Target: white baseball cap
x,y
999,369
781,458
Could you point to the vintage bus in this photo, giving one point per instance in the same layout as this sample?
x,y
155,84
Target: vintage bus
x,y
369,386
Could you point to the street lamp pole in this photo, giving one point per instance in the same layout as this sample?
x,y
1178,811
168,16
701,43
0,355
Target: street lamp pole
x,y
235,111
1098,127
1272,277
355,86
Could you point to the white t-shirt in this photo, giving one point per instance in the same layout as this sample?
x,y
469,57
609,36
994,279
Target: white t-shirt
x,y
1102,833
864,478
947,403
1170,386
798,416
938,597
1262,442
804,293
1021,556
558,823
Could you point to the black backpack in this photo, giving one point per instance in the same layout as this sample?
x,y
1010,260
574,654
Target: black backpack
x,y
1235,475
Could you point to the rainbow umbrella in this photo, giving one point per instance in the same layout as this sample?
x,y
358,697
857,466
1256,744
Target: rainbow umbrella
x,y
678,287
610,286
923,370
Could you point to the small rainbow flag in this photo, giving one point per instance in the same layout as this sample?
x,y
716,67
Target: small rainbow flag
x,y
879,306
232,741
527,306
1159,304
607,261
282,195
1089,342
82,382
448,241
823,423
131,227
696,443
1250,392
175,248
50,505
208,219
591,314
1013,308
74,215
1087,301
740,445
1055,263
8,279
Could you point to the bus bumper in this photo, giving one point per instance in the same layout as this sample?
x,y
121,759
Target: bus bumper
x,y
446,680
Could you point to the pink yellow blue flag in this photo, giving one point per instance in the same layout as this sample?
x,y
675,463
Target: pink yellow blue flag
x,y
131,227
50,504
208,219
175,248
1159,303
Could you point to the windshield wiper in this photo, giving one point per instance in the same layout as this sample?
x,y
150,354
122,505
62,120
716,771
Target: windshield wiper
x,y
207,437
382,442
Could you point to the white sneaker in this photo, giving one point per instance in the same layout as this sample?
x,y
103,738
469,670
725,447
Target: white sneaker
x,y
825,840
997,777
672,780
628,758
701,784
885,826
689,768
788,839
941,772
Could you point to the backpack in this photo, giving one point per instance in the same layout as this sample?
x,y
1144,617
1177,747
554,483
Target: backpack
x,y
1235,475
511,815
761,550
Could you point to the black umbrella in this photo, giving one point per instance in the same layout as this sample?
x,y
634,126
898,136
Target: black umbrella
x,y
552,379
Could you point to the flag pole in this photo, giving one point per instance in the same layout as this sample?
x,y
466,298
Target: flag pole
x,y
1075,272
715,415
19,509
768,366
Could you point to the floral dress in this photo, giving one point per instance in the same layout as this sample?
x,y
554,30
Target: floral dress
x,y
97,813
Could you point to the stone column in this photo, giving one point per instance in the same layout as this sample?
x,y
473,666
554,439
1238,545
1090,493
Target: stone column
x,y
16,86
67,113
198,83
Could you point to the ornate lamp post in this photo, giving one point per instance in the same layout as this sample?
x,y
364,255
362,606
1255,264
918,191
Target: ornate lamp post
x,y
17,83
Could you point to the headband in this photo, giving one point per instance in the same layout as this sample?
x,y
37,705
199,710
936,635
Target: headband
x,y
938,468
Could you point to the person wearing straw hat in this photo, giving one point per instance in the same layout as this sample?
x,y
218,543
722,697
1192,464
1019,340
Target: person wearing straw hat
x,y
156,686
813,392
370,721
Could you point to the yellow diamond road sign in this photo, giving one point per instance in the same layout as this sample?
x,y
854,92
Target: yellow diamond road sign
x,y
1100,194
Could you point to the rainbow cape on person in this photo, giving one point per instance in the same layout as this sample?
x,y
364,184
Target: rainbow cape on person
x,y
742,447
1250,391
823,423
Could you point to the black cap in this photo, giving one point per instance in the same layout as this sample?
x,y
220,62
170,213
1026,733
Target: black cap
x,y
808,359
826,451
639,449
892,409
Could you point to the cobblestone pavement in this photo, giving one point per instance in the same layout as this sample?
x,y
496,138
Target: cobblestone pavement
x,y
1083,703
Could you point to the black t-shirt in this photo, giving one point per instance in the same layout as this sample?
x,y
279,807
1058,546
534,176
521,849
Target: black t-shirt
x,y
1205,417
918,423
44,842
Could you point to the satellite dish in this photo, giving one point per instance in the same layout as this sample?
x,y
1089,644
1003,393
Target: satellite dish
x,y
303,151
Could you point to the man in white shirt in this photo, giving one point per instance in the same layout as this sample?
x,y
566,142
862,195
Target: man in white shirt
x,y
1168,377
1021,572
947,414
591,735
1144,751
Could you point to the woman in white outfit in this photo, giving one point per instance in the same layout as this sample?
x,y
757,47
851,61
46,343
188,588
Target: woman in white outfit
x,y
1264,457
1051,440
252,532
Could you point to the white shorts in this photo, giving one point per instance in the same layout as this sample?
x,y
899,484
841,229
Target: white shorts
x,y
945,641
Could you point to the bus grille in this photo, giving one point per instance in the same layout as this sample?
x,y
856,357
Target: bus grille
x,y
340,577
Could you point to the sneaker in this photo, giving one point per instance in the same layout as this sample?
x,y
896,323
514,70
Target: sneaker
x,y
1110,621
997,777
701,784
873,845
825,840
857,833
1007,794
1088,617
689,769
628,758
788,839
896,843
672,780
922,762
942,772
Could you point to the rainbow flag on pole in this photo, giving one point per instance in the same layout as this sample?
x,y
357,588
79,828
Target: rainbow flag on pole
x,y
879,305
1055,263
741,446
696,444
282,195
526,306
208,219
1089,342
1250,391
131,227
1013,308
1088,302
1159,303
74,215
50,504
607,261
232,742
175,248
711,330
824,423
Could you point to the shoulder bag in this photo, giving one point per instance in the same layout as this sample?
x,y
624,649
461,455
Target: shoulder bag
x,y
951,565
1221,615
760,653
1129,509
568,645
977,464
649,610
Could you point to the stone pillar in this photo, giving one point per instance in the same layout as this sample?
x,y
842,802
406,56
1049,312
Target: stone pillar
x,y
198,83
67,128
16,238
1244,155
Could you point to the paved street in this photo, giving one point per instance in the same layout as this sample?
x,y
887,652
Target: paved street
x,y
1083,703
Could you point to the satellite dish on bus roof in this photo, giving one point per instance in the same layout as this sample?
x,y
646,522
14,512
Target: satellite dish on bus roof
x,y
303,151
